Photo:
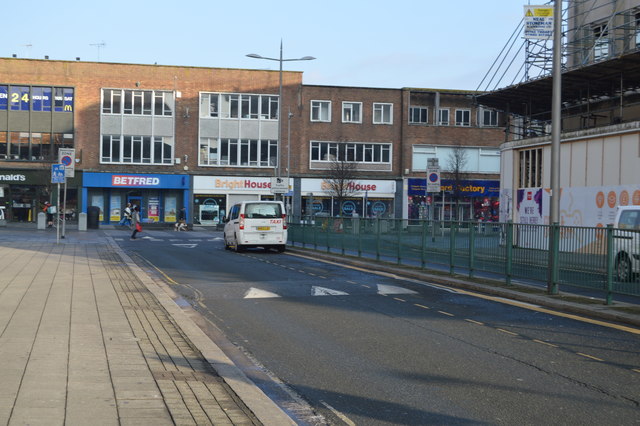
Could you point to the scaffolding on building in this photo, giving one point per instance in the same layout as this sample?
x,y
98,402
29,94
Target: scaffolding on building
x,y
600,71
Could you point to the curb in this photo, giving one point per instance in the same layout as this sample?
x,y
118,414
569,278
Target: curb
x,y
257,401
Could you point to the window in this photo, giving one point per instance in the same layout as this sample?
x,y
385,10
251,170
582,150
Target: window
x,y
488,117
238,152
463,117
636,35
128,102
351,112
476,159
443,117
19,98
127,149
382,113
601,42
236,105
321,111
41,99
418,115
357,152
530,168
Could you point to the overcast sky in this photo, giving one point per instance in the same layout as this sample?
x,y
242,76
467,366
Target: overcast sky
x,y
364,43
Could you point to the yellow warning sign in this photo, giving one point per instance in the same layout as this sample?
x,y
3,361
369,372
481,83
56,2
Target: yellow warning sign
x,y
538,22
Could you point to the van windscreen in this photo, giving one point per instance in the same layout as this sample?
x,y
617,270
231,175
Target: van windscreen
x,y
262,210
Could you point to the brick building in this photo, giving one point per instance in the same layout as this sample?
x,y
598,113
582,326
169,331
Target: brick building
x,y
164,137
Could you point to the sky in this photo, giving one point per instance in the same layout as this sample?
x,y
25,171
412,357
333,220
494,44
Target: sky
x,y
361,43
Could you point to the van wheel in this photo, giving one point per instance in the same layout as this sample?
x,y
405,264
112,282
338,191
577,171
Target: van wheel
x,y
238,248
226,244
281,248
623,268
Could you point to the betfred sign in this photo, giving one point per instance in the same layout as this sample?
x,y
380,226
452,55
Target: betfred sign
x,y
125,180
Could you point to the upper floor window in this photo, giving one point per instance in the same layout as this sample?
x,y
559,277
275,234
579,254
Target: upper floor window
x,y
463,117
356,152
137,102
443,117
601,42
236,105
488,117
418,115
36,98
321,111
382,113
530,163
352,112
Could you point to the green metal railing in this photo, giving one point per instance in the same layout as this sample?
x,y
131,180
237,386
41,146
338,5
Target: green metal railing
x,y
584,257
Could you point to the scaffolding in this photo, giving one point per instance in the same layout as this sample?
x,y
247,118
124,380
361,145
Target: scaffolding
x,y
600,71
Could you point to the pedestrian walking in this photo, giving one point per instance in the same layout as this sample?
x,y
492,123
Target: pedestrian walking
x,y
135,220
49,210
181,224
126,216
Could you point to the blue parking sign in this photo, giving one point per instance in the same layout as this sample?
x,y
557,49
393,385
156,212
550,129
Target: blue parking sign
x,y
57,173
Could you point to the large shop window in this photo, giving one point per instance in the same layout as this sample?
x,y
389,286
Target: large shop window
x,y
125,149
238,152
33,146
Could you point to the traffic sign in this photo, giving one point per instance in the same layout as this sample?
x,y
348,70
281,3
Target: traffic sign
x,y
279,185
57,173
67,156
433,179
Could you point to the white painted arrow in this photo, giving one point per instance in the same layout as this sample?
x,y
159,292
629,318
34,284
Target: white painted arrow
x,y
185,245
392,289
322,291
256,293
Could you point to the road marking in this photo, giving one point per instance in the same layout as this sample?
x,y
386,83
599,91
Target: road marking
x,y
351,282
483,296
185,245
446,313
342,417
507,331
322,291
545,343
637,370
392,289
256,293
474,322
398,299
589,356
421,306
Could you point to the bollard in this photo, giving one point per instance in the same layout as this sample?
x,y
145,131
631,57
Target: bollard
x,y
82,222
42,220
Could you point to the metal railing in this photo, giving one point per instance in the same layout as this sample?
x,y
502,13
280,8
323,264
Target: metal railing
x,y
589,258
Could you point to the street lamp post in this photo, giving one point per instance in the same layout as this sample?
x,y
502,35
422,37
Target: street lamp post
x,y
280,107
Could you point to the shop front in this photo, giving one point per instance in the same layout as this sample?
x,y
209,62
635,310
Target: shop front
x,y
159,197
24,192
469,200
364,198
213,195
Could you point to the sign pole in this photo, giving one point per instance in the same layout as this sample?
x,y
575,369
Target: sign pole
x,y
58,214
64,209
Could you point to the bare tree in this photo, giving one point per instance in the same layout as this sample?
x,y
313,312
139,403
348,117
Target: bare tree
x,y
457,164
340,182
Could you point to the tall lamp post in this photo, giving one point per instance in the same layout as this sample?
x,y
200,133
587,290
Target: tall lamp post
x,y
280,106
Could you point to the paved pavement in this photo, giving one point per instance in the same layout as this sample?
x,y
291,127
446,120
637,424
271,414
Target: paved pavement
x,y
86,337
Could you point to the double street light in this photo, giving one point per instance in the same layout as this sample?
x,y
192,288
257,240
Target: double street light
x,y
280,103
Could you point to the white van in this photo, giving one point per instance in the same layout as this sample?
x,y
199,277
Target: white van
x,y
256,224
626,242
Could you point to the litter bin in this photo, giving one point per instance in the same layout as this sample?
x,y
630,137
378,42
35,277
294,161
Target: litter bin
x,y
93,217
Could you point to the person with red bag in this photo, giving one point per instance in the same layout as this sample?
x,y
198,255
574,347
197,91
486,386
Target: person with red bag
x,y
135,221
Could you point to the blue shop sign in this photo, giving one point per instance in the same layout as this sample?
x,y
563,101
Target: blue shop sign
x,y
131,180
469,188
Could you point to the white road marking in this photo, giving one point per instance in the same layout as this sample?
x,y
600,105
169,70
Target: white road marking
x,y
342,417
392,289
185,245
322,291
256,293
